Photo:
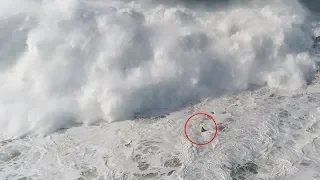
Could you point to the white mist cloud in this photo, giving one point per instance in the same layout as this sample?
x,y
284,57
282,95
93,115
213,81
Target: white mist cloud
x,y
80,61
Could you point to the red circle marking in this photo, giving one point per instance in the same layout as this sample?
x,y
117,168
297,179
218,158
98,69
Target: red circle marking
x,y
215,124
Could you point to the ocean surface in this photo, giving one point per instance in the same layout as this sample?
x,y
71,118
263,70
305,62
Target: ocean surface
x,y
101,89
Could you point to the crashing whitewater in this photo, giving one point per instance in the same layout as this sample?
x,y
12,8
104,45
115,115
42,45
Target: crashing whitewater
x,y
125,75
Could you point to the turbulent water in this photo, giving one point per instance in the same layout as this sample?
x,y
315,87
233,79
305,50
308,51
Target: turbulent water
x,y
72,62
146,66
81,61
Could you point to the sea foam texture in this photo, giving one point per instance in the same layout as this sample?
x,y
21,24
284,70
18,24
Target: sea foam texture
x,y
72,61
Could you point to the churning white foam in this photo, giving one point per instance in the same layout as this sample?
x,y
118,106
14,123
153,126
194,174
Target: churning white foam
x,y
75,61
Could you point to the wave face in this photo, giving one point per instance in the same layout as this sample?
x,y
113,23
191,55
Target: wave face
x,y
78,61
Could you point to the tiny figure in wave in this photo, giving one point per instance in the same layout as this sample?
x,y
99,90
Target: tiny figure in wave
x,y
202,129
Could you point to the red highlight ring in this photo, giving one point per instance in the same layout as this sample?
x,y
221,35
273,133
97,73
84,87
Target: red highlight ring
x,y
199,144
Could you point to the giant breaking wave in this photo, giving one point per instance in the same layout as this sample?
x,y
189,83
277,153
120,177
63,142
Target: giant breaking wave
x,y
78,61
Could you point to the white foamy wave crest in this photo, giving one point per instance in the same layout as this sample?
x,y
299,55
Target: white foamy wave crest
x,y
72,61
